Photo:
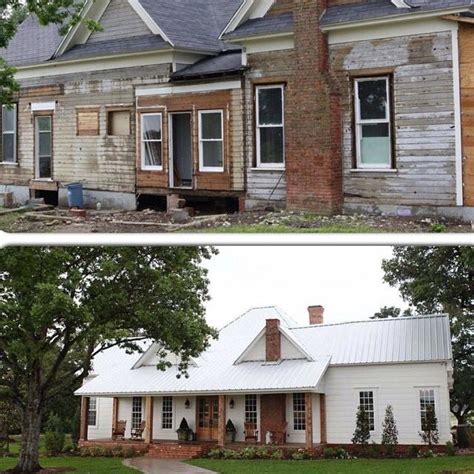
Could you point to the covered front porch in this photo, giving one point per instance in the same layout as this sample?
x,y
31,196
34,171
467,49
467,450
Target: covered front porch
x,y
296,420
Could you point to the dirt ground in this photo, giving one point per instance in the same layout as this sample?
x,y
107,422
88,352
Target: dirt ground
x,y
150,221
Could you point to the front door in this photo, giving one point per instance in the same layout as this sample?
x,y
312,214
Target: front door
x,y
43,146
181,156
207,418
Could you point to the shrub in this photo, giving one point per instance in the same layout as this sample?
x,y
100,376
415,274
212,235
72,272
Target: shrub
x,y
390,432
54,437
375,450
362,431
298,455
214,453
429,454
450,449
430,434
75,428
278,454
341,453
229,427
329,453
413,451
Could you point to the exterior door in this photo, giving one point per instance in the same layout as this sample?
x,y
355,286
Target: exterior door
x,y
43,147
181,156
207,418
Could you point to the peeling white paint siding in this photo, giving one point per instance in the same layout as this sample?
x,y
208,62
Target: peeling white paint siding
x,y
396,385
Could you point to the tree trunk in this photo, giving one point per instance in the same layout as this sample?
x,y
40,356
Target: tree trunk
x,y
31,426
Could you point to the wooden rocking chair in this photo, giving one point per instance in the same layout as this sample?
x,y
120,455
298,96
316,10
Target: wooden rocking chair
x,y
137,433
118,431
251,431
278,436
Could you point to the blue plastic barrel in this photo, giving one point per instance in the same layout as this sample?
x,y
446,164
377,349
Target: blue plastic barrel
x,y
75,195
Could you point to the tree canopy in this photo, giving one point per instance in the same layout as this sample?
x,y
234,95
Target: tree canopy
x,y
59,307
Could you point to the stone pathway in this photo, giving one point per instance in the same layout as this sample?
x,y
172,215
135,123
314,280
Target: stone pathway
x,y
163,466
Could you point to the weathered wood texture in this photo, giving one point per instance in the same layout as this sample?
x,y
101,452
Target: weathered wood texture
x,y
466,45
101,162
264,186
423,114
119,21
230,102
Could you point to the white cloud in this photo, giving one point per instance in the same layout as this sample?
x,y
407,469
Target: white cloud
x,y
347,281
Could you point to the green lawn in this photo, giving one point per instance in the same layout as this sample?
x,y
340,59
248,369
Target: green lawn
x,y
463,464
82,465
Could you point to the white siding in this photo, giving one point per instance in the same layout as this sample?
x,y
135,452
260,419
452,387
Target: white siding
x,y
397,385
103,429
179,412
298,436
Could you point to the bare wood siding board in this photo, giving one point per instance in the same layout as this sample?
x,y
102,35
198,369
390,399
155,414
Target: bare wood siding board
x,y
424,120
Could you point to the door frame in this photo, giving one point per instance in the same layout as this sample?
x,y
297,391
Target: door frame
x,y
213,430
170,149
36,133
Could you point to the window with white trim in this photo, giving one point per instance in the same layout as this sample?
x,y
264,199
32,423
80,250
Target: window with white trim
x,y
299,412
92,412
372,123
251,409
366,401
270,113
9,131
152,141
211,140
427,398
167,413
137,412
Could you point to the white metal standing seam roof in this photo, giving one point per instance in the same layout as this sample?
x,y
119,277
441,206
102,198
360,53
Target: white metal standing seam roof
x,y
402,340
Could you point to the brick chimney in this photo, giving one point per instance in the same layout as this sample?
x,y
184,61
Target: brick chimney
x,y
273,340
316,315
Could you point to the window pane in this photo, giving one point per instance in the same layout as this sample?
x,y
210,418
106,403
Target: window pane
x,y
152,153
270,103
44,124
212,154
373,99
9,119
151,127
45,144
167,413
366,400
251,409
375,144
271,145
45,167
9,147
211,124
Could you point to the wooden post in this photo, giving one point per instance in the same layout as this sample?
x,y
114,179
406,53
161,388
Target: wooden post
x,y
322,417
221,422
84,418
308,398
149,419
115,409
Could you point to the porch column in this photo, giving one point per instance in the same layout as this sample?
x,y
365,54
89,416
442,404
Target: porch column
x,y
149,419
84,418
221,422
308,398
115,409
322,418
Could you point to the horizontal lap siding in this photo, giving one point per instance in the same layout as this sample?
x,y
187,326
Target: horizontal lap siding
x,y
103,428
424,120
100,162
396,385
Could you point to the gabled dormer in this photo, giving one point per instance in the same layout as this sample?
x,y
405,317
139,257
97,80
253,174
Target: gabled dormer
x,y
151,358
273,344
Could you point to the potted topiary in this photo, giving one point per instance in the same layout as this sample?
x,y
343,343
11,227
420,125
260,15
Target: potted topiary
x,y
184,432
230,431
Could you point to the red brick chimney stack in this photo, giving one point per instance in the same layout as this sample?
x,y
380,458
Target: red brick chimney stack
x,y
316,315
273,340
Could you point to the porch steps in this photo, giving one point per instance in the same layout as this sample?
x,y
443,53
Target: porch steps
x,y
177,451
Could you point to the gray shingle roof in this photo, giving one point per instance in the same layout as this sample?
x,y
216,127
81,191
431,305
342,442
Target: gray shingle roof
x,y
261,26
219,65
119,46
373,9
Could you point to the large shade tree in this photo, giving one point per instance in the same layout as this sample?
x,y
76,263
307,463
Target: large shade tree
x,y
440,280
59,307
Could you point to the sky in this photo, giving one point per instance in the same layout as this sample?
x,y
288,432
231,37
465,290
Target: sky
x,y
347,281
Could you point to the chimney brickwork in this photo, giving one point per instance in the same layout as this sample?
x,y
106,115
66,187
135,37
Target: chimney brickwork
x,y
316,315
273,340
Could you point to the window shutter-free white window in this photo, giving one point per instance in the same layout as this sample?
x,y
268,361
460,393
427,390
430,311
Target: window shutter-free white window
x,y
270,129
9,132
152,142
372,122
211,140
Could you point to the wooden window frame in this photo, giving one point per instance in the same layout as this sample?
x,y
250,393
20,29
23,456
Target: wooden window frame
x,y
145,167
169,413
258,127
13,132
202,167
358,123
36,145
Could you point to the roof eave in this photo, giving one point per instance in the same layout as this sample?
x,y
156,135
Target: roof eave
x,y
243,38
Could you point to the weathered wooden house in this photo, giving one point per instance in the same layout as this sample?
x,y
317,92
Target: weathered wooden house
x,y
304,104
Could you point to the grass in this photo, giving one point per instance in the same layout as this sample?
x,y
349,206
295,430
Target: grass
x,y
283,229
464,464
82,465
7,221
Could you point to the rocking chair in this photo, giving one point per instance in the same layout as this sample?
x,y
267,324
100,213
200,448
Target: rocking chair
x,y
137,433
118,431
251,431
278,436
